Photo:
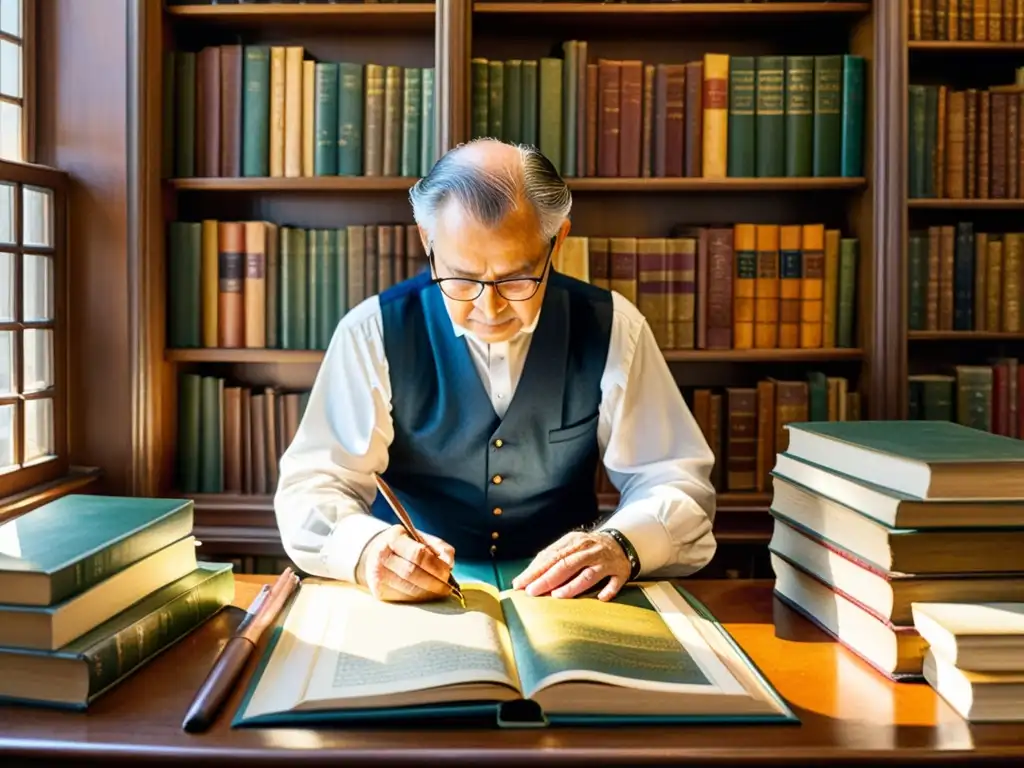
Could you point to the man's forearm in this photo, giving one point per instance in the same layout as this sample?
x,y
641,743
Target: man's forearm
x,y
325,533
669,525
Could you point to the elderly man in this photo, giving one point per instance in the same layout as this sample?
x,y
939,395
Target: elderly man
x,y
484,391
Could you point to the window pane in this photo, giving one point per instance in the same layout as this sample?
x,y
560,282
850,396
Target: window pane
x,y
10,69
38,359
6,436
38,428
10,17
7,287
6,213
7,362
10,132
37,223
37,284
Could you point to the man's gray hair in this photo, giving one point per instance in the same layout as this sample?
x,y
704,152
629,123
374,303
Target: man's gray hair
x,y
489,193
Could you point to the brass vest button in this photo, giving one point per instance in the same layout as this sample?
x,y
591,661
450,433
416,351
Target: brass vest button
x,y
496,480
497,510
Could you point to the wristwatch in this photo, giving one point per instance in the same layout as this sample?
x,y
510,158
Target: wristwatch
x,y
627,547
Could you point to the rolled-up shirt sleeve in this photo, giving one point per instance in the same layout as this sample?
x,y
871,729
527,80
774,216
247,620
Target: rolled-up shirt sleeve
x,y
326,483
654,453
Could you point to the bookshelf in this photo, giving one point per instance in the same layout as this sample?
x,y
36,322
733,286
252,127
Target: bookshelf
x,y
448,36
964,103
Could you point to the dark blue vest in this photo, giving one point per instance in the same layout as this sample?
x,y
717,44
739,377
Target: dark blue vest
x,y
502,487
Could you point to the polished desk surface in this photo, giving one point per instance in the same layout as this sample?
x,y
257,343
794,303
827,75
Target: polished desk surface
x,y
847,711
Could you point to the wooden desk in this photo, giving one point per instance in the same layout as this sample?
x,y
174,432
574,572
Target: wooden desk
x,y
848,712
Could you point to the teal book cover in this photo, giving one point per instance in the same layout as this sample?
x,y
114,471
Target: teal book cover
x,y
652,655
44,560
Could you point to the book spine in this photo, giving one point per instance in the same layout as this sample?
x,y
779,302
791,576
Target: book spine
x,y
256,111
133,646
741,129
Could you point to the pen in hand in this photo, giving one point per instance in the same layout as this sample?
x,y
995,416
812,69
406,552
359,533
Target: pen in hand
x,y
403,516
218,684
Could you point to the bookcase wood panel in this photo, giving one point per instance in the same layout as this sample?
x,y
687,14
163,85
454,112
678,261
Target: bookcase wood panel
x,y
446,36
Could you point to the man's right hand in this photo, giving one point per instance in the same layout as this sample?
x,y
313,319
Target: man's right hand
x,y
395,568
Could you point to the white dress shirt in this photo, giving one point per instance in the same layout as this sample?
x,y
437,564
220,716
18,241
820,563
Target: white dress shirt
x,y
651,446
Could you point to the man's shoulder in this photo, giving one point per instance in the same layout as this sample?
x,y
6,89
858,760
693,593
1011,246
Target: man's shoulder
x,y
406,289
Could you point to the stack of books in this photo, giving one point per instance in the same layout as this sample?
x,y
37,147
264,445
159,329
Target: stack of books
x,y
975,657
94,587
872,517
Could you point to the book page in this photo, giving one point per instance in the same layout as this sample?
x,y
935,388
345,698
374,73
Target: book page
x,y
372,648
624,641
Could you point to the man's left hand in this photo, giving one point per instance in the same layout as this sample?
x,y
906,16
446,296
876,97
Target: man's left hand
x,y
574,564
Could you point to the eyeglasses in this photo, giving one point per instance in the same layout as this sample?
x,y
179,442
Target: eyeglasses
x,y
509,288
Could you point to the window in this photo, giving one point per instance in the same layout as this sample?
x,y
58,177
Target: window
x,y
16,79
33,211
33,399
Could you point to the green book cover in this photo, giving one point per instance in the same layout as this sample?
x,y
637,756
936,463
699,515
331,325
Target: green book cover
x,y
770,117
929,442
412,121
504,660
741,130
325,118
314,287
428,131
852,133
184,279
799,129
828,108
97,661
256,111
549,117
62,548
350,119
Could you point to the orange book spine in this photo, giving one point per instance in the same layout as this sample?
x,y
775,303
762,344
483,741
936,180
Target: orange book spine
x,y
716,115
255,289
790,273
744,285
277,110
830,300
231,274
293,111
812,287
766,288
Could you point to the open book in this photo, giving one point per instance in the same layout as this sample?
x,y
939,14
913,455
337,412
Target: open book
x,y
654,654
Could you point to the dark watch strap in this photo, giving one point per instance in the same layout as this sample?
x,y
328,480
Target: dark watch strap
x,y
627,547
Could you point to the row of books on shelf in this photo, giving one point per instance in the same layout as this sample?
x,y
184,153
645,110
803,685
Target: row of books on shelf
x,y
966,143
259,111
911,563
977,20
720,116
985,397
80,614
265,565
231,437
963,280
259,285
746,426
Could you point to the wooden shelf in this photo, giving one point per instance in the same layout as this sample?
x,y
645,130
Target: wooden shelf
x,y
402,184
670,9
953,46
761,355
295,184
973,204
213,355
964,336
349,17
303,356
712,185
583,19
222,512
